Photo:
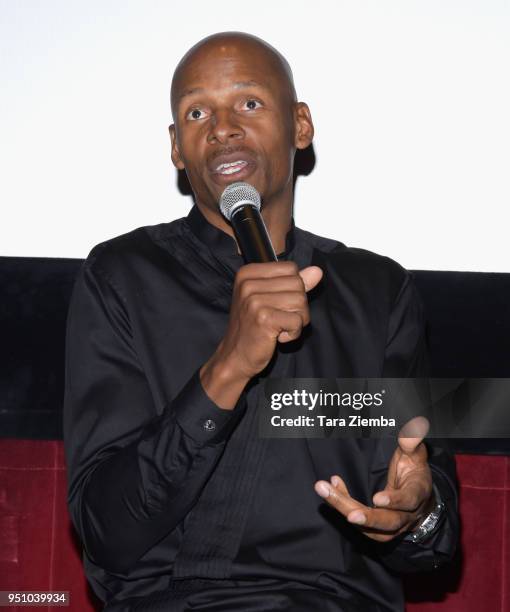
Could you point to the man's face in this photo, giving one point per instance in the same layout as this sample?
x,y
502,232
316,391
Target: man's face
x,y
235,120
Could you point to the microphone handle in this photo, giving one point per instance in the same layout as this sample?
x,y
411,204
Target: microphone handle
x,y
252,236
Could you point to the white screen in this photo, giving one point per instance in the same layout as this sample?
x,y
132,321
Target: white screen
x,y
410,101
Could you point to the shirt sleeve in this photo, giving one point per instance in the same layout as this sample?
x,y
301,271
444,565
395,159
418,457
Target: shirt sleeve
x,y
406,357
135,469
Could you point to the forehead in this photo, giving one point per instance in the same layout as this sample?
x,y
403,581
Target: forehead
x,y
227,66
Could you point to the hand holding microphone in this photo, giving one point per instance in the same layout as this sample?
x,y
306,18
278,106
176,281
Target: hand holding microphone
x,y
269,305
269,302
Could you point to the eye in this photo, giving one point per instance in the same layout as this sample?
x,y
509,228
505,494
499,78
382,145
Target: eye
x,y
252,104
195,114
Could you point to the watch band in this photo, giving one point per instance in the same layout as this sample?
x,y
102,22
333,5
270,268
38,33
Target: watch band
x,y
430,523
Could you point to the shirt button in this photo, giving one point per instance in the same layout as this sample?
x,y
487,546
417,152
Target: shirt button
x,y
209,425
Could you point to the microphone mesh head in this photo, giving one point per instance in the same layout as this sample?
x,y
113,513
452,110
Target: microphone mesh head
x,y
238,194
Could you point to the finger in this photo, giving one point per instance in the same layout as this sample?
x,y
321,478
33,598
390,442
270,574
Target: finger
x,y
290,301
412,434
408,498
337,496
285,326
311,277
380,519
267,270
280,284
382,537
340,485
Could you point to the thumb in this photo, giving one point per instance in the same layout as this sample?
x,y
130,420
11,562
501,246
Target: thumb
x,y
412,434
311,277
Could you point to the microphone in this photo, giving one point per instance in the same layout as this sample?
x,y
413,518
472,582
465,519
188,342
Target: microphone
x,y
240,204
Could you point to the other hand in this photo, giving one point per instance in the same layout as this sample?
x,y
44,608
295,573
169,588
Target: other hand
x,y
407,498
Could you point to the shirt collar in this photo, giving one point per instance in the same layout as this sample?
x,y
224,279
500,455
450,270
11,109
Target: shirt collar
x,y
222,244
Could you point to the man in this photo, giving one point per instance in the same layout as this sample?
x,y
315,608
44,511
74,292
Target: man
x,y
178,502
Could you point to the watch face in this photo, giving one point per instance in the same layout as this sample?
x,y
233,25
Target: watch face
x,y
428,526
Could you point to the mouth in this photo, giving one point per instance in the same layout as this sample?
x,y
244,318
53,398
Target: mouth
x,y
232,164
228,168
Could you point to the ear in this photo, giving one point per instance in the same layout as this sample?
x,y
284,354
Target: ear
x,y
303,125
176,156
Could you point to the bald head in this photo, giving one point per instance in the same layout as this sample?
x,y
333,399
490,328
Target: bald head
x,y
236,118
229,45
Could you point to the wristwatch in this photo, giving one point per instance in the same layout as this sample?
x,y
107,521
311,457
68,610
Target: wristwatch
x,y
430,523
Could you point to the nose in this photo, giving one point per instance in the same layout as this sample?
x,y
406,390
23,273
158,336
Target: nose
x,y
224,128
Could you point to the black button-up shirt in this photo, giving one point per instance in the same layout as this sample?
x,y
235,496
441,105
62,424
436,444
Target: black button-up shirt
x,y
179,504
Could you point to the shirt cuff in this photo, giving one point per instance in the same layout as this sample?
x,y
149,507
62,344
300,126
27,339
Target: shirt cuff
x,y
444,540
200,418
